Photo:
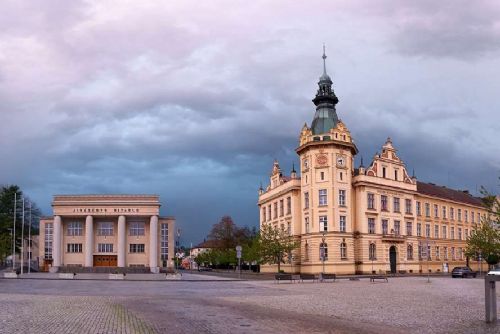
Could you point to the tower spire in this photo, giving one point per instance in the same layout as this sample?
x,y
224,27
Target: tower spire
x,y
324,59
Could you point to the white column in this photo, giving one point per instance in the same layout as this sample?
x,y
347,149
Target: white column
x,y
57,242
122,241
89,241
153,244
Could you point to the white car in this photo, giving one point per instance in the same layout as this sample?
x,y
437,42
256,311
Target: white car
x,y
495,270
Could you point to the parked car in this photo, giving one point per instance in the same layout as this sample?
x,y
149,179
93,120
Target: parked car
x,y
495,270
463,272
204,269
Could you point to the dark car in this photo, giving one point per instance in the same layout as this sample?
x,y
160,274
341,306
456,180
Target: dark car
x,y
463,272
204,269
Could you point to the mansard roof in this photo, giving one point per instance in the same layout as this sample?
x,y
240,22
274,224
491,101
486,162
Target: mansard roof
x,y
431,189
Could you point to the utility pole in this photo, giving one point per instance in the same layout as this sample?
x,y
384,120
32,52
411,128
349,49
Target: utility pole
x,y
22,242
29,243
14,234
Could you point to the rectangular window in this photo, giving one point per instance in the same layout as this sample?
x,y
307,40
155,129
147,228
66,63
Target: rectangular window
x,y
306,221
136,248
343,250
409,228
436,231
397,227
443,234
453,253
385,226
105,228
459,214
105,248
452,233
323,199
419,229
419,209
164,243
436,210
371,201
437,252
383,202
429,255
264,214
289,228
396,204
478,217
445,253
282,207
396,175
323,223
371,225
342,223
341,197
466,233
275,210
49,230
427,210
444,212
408,209
136,228
288,205
466,216
306,200
472,217
269,212
75,229
452,213
459,233
322,175
428,230
74,248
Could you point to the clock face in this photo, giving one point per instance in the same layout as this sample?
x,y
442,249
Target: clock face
x,y
322,159
341,161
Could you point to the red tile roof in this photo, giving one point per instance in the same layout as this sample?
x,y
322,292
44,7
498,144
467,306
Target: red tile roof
x,y
209,244
431,189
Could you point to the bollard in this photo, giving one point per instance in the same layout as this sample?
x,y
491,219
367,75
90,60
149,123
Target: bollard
x,y
490,298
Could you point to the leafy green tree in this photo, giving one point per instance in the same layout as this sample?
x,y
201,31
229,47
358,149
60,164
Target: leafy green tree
x,y
485,239
276,245
7,194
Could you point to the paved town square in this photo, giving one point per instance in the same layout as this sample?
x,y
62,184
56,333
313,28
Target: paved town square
x,y
198,304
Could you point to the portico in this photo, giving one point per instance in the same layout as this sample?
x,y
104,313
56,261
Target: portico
x,y
107,230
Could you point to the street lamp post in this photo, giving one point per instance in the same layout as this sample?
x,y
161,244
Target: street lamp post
x,y
14,234
323,254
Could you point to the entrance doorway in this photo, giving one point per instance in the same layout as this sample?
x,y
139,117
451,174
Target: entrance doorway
x,y
105,261
392,258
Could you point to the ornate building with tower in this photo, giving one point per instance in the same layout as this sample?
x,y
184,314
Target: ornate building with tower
x,y
361,219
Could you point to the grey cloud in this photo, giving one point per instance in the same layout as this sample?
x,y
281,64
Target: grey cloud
x,y
195,105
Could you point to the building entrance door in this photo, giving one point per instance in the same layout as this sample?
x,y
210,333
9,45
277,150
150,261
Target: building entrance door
x,y
392,258
105,261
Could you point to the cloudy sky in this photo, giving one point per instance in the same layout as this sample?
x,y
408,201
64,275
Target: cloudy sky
x,y
192,100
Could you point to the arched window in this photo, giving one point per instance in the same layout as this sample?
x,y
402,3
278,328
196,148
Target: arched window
x,y
409,252
343,250
323,251
372,252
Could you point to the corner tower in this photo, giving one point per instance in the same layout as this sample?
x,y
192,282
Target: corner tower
x,y
326,152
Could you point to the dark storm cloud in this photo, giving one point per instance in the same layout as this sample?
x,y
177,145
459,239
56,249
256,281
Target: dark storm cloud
x,y
193,101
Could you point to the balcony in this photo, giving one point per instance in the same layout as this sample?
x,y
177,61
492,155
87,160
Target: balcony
x,y
392,237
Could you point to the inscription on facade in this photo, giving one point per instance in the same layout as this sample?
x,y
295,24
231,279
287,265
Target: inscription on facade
x,y
106,210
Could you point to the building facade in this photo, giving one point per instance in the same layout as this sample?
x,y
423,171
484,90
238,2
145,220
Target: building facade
x,y
363,219
106,231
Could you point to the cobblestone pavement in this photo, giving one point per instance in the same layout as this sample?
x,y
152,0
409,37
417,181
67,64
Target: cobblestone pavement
x,y
404,305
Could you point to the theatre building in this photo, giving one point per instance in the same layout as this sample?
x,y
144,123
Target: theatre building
x,y
122,231
359,219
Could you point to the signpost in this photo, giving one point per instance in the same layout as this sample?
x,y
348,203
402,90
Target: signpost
x,y
238,255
